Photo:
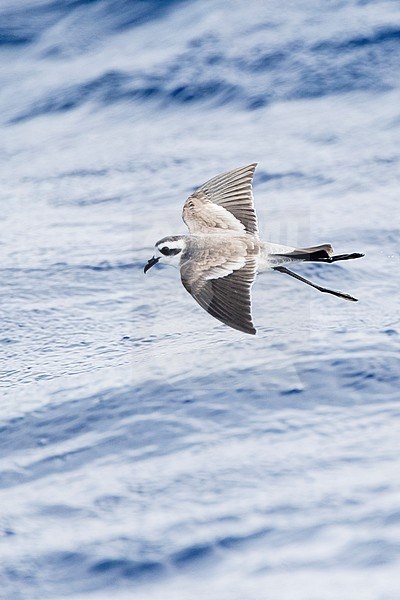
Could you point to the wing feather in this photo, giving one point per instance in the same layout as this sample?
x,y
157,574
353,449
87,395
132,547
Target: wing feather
x,y
227,294
224,203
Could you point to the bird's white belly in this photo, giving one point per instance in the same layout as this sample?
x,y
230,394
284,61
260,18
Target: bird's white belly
x,y
269,258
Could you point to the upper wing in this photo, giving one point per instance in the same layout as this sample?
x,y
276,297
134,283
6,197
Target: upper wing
x,y
223,203
223,287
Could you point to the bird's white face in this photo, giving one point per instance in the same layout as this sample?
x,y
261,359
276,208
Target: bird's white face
x,y
169,251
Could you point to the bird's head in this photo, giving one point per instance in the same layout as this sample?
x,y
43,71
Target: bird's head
x,y
168,250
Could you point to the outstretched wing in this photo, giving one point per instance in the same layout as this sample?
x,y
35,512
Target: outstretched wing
x,y
222,287
224,203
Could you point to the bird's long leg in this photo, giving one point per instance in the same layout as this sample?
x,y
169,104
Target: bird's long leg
x,y
314,285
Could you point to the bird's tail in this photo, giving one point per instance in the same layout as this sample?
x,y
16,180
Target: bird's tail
x,y
322,253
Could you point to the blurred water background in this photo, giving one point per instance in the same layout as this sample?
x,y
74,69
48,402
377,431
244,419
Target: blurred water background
x,y
147,451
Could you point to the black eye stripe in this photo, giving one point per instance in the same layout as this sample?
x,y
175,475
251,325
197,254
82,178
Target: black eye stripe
x,y
169,251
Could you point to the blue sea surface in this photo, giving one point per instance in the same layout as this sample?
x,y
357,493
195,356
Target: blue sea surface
x,y
147,451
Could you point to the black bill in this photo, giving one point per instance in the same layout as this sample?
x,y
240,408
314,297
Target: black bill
x,y
150,263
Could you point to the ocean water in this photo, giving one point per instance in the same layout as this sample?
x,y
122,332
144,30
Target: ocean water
x,y
146,450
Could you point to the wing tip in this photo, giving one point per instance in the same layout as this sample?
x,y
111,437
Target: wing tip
x,y
251,167
250,329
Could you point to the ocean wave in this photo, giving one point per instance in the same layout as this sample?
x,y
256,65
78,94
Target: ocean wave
x,y
307,73
25,24
256,71
147,449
